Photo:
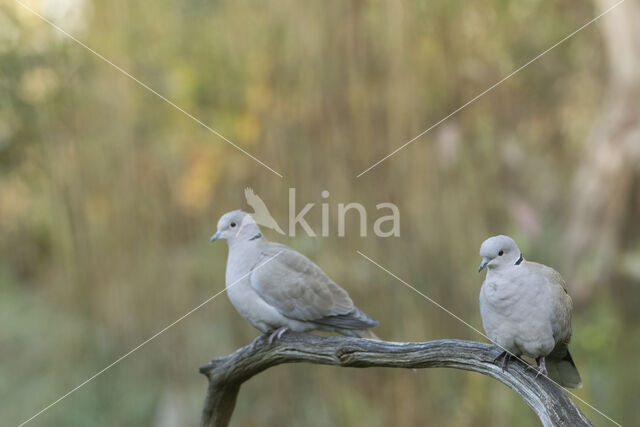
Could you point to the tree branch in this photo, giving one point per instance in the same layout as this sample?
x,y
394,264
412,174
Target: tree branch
x,y
226,374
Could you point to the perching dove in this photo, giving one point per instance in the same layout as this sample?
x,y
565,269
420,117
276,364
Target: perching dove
x,y
526,310
278,289
261,214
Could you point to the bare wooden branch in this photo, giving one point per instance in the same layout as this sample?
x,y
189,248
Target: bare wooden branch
x,y
226,374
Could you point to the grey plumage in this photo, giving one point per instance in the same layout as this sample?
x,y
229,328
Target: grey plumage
x,y
526,309
276,288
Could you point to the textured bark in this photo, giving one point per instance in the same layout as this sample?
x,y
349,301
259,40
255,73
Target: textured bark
x,y
226,374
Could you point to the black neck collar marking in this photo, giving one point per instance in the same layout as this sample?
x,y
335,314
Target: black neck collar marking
x,y
257,236
519,260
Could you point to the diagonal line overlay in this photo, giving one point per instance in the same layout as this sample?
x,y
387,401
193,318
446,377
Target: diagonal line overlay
x,y
481,94
147,87
133,350
481,333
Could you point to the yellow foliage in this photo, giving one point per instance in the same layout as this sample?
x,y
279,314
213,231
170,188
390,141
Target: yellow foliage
x,y
37,84
248,129
198,178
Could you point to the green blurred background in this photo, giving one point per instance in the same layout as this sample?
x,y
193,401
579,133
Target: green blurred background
x,y
108,195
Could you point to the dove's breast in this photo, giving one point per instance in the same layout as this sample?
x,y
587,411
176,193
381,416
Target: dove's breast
x,y
497,308
516,314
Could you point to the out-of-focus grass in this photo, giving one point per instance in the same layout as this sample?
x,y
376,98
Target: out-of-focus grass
x,y
108,196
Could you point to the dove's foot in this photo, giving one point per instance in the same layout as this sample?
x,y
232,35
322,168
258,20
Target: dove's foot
x,y
257,339
542,368
504,359
277,334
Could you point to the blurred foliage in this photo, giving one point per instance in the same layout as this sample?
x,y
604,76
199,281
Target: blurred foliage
x,y
108,196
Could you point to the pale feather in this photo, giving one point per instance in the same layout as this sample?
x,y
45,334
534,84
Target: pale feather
x,y
297,287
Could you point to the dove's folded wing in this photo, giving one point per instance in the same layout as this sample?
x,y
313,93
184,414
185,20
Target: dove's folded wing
x,y
297,287
561,305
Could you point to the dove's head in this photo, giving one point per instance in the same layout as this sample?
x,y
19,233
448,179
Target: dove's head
x,y
236,226
498,251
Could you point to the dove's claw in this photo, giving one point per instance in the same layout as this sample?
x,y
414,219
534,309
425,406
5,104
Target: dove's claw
x,y
257,339
277,334
542,368
281,333
504,359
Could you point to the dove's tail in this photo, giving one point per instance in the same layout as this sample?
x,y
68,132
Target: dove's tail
x,y
354,324
564,371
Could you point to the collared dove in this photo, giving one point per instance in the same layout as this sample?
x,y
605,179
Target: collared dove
x,y
277,289
526,310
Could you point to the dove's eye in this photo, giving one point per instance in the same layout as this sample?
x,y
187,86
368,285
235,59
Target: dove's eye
x,y
233,224
501,253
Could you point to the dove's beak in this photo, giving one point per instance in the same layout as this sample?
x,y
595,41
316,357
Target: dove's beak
x,y
214,237
483,264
